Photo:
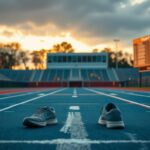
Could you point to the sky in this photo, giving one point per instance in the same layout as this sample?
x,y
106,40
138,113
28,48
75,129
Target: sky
x,y
86,24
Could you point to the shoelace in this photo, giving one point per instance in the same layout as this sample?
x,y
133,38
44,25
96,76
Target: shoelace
x,y
40,111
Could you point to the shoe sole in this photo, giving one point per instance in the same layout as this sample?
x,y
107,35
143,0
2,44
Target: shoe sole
x,y
115,124
32,123
101,121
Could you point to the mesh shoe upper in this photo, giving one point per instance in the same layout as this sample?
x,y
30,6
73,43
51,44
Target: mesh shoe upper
x,y
111,117
106,109
44,113
110,106
41,115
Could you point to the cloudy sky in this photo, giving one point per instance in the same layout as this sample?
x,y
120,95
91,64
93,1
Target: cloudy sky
x,y
87,24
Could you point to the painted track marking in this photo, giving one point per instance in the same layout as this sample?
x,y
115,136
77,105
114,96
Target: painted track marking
x,y
127,93
22,94
33,99
75,93
133,136
74,108
119,98
75,127
74,141
113,94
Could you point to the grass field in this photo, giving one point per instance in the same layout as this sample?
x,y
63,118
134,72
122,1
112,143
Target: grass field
x,y
77,110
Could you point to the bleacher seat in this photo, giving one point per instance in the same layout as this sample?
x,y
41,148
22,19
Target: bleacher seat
x,y
57,75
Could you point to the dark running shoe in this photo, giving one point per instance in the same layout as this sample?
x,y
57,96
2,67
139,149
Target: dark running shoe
x,y
111,117
42,117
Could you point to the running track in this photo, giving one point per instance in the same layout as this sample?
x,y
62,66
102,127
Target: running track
x,y
77,111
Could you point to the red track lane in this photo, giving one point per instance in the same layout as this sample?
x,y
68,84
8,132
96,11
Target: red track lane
x,y
17,91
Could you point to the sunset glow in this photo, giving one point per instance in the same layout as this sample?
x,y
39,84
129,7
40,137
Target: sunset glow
x,y
93,24
37,42
33,42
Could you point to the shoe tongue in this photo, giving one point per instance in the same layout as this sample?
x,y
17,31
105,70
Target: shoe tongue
x,y
45,108
110,106
42,109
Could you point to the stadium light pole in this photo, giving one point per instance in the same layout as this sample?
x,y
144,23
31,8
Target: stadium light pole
x,y
116,46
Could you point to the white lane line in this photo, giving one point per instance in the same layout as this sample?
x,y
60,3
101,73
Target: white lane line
x,y
133,137
68,122
137,94
74,108
113,94
41,94
32,99
62,94
74,141
119,98
75,93
22,94
128,93
87,94
75,127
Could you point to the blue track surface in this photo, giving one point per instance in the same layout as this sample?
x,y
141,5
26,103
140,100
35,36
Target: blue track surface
x,y
77,128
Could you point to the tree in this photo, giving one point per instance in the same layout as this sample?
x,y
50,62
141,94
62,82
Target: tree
x,y
38,58
8,58
95,50
63,47
107,50
12,45
9,54
24,56
124,59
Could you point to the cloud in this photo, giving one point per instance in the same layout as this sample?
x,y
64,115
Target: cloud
x,y
137,2
92,21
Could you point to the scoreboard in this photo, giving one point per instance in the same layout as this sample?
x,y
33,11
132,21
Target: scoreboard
x,y
142,53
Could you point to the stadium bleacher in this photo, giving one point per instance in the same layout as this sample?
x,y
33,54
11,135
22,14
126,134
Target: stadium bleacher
x,y
145,79
3,78
77,69
127,74
57,75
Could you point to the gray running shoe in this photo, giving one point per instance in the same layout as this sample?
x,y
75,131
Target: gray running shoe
x,y
42,117
111,117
